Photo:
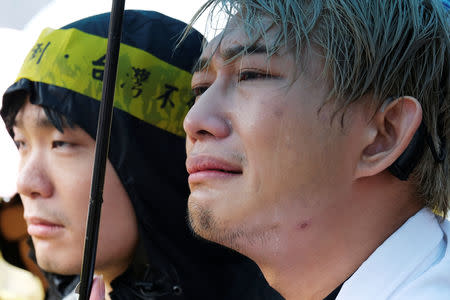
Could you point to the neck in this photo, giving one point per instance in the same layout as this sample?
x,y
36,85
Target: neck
x,y
109,274
309,261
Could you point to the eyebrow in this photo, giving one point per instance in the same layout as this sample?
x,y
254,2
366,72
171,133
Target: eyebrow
x,y
42,122
230,53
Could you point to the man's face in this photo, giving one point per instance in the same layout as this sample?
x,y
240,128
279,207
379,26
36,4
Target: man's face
x,y
54,183
262,159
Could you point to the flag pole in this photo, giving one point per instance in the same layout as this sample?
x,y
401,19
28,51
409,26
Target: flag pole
x,y
101,149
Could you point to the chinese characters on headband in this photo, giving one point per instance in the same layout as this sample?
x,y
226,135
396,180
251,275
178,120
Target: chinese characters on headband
x,y
38,51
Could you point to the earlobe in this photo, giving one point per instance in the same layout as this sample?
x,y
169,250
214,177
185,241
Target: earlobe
x,y
388,135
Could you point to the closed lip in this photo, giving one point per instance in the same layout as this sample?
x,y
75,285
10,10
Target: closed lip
x,y
43,228
201,163
41,221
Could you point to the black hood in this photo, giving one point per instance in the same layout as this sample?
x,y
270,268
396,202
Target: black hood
x,y
149,159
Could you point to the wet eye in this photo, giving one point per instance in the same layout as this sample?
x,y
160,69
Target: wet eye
x,y
252,75
199,90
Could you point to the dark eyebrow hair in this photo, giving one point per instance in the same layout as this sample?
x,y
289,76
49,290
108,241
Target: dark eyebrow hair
x,y
201,64
233,52
49,118
42,121
230,53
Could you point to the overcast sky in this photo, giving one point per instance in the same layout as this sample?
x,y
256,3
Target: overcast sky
x,y
21,21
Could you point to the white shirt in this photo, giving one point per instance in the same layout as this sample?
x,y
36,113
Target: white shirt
x,y
71,296
412,264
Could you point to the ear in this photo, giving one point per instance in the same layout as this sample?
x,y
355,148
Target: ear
x,y
388,135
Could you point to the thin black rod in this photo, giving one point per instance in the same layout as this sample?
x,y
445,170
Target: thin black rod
x,y
101,148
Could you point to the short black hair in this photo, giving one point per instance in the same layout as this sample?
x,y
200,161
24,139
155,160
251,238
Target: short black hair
x,y
16,101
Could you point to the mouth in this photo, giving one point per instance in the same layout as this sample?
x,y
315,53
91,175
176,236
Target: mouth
x,y
43,228
201,168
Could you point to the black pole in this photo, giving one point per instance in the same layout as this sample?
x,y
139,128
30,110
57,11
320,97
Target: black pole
x,y
101,148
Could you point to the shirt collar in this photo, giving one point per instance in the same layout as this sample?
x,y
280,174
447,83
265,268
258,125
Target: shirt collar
x,y
401,256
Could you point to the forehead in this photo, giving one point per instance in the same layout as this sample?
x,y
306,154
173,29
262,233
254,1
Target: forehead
x,y
36,116
235,41
31,115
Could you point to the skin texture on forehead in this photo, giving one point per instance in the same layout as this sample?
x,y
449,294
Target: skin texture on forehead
x,y
261,43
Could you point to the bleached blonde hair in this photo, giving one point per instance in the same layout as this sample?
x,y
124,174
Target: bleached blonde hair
x,y
382,48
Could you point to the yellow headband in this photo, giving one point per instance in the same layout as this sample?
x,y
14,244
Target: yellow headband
x,y
147,87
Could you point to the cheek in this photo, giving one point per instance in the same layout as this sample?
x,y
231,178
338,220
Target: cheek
x,y
258,123
73,184
287,146
273,131
269,132
118,216
74,173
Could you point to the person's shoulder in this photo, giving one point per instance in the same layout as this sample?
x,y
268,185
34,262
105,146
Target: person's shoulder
x,y
413,263
433,282
445,225
433,288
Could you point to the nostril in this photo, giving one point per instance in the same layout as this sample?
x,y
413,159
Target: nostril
x,y
34,195
203,132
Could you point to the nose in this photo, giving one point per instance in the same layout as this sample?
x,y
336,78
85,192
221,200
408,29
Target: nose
x,y
33,181
207,118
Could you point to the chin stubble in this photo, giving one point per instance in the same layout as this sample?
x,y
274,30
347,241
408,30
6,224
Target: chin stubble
x,y
205,225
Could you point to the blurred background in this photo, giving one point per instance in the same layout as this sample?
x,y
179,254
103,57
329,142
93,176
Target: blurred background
x,y
21,22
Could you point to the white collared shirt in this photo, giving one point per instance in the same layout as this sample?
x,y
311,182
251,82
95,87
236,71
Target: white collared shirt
x,y
412,264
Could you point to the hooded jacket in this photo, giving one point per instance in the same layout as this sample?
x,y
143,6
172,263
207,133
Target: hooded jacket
x,y
64,72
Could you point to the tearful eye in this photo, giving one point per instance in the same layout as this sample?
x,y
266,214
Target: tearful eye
x,y
199,90
252,75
